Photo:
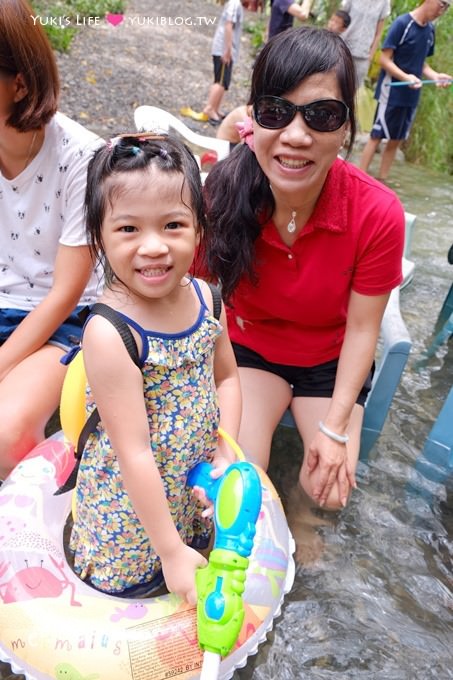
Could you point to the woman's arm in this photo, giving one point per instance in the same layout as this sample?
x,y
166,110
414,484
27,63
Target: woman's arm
x,y
356,357
73,267
117,387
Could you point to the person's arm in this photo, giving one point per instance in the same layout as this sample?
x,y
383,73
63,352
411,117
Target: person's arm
x,y
356,357
229,396
431,74
377,38
301,12
228,43
228,388
73,266
387,63
117,387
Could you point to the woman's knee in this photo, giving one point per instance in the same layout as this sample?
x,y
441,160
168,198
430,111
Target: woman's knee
x,y
17,437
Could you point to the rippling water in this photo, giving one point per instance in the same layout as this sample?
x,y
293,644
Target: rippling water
x,y
378,603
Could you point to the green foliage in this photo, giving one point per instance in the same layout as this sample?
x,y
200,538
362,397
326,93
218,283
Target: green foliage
x,y
60,36
431,139
257,31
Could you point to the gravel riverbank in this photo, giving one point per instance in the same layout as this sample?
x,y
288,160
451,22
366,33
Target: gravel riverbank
x,y
160,54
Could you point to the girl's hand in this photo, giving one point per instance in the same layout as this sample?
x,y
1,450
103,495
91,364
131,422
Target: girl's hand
x,y
329,459
220,463
179,569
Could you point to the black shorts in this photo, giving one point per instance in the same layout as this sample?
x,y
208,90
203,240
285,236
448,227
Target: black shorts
x,y
222,72
309,381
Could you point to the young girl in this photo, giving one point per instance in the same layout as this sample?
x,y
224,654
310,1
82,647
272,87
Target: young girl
x,y
135,517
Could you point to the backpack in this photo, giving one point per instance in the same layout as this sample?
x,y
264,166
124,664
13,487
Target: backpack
x,y
73,394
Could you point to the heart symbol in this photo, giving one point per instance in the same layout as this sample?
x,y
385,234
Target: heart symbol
x,y
115,19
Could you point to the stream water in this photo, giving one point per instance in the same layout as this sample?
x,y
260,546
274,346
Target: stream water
x,y
378,604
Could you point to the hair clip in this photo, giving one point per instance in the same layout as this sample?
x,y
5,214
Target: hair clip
x,y
139,136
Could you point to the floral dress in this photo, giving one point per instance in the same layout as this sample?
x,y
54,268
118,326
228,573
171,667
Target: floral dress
x,y
111,549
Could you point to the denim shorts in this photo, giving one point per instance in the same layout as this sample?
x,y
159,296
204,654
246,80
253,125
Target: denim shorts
x,y
65,337
305,381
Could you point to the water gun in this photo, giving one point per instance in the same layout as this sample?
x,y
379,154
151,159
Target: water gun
x,y
405,83
220,585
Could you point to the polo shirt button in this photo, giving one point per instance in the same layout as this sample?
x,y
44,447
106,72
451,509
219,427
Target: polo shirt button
x,y
290,256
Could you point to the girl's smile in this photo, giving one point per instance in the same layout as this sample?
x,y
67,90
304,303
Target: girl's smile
x,y
149,232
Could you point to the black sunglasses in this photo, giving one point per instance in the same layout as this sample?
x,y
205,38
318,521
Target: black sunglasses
x,y
323,115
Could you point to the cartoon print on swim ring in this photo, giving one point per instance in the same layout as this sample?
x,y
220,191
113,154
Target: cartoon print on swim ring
x,y
55,626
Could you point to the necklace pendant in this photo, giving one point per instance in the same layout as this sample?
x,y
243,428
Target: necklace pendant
x,y
292,223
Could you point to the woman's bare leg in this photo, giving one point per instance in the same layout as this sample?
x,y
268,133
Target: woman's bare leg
x,y
265,398
29,395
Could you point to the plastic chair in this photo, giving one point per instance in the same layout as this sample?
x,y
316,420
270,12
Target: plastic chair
x,y
436,461
151,118
408,265
396,345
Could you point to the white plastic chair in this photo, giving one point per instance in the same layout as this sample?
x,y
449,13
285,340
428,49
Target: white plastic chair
x,y
151,118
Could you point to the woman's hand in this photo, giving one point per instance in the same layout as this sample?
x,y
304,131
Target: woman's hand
x,y
179,569
329,459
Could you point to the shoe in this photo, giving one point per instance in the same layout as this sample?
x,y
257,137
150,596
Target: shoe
x,y
195,115
214,121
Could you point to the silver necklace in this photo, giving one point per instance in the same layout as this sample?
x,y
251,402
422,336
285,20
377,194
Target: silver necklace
x,y
291,226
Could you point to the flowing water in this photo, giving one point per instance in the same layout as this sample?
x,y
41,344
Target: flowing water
x,y
378,603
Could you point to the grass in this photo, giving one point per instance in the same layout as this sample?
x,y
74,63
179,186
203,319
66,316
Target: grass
x,y
59,17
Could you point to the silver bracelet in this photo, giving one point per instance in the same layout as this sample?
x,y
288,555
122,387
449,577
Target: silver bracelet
x,y
341,438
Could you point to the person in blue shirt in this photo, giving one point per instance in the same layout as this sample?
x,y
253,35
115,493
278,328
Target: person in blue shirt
x,y
409,42
283,13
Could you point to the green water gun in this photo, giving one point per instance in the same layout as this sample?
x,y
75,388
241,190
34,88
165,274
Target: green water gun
x,y
220,610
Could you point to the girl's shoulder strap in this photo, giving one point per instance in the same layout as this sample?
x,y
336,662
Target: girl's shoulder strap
x,y
216,299
93,419
121,326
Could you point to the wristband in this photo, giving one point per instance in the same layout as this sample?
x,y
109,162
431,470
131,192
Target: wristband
x,y
341,438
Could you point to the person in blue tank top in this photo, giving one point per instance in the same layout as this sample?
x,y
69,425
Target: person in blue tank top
x,y
136,522
410,40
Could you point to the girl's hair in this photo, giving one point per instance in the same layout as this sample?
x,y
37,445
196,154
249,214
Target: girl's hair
x,y
25,50
135,153
238,195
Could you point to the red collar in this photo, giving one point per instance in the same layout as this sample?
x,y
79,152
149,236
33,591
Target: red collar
x,y
330,212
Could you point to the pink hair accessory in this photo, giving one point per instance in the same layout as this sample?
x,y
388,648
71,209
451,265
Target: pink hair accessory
x,y
245,129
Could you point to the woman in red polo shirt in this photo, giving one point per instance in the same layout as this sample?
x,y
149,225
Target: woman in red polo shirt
x,y
307,248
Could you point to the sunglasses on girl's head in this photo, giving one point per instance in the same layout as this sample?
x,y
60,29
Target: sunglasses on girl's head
x,y
323,115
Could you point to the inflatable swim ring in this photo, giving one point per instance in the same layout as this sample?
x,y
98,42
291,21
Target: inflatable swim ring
x,y
55,626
